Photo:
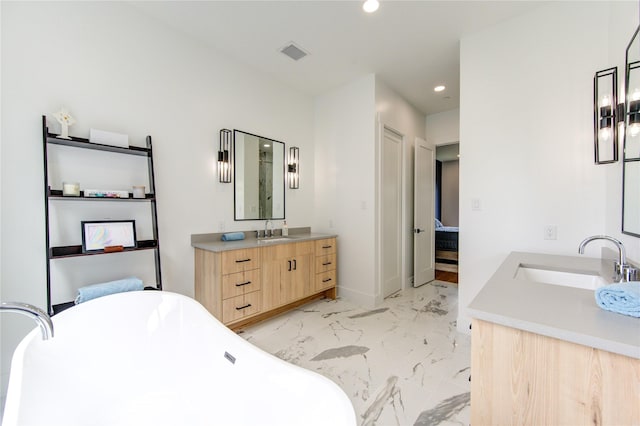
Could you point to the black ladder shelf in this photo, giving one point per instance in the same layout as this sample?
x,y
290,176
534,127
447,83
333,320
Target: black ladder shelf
x,y
50,195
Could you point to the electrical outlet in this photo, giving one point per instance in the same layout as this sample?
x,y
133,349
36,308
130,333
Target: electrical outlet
x,y
475,205
221,226
551,232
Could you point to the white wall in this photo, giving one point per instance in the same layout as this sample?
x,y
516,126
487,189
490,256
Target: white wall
x,y
450,193
526,142
396,113
118,70
443,128
345,183
346,140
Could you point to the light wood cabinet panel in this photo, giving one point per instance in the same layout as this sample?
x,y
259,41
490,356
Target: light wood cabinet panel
x,y
286,272
241,306
240,260
523,378
325,263
325,246
325,280
240,283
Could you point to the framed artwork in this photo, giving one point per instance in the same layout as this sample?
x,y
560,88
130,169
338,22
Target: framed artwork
x,y
96,235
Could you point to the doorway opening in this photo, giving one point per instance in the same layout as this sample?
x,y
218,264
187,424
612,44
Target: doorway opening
x,y
447,212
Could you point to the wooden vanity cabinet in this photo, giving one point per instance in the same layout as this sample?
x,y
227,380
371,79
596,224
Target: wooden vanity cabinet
x,y
286,272
325,264
523,378
228,283
244,286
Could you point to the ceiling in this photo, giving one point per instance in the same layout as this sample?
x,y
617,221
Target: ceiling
x,y
410,45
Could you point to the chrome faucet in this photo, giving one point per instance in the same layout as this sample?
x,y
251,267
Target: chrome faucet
x,y
41,317
268,232
623,271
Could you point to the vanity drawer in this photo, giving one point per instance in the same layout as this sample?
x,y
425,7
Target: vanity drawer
x,y
326,246
325,263
239,307
240,260
240,283
325,280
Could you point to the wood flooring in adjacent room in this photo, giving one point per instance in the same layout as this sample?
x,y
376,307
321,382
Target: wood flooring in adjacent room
x,y
449,277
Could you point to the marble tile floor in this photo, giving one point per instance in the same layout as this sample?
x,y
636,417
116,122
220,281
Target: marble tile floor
x,y
402,363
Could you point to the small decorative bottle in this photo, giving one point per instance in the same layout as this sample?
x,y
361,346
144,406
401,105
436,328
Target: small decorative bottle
x,y
285,229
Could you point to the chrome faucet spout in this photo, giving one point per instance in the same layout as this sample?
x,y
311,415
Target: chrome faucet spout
x,y
268,232
621,250
42,319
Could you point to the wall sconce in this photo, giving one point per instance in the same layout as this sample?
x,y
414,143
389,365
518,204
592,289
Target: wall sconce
x,y
293,167
606,115
224,156
633,97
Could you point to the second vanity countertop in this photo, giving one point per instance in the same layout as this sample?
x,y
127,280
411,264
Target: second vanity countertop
x,y
562,312
212,242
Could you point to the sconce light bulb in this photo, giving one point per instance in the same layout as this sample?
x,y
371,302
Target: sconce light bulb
x,y
370,6
635,96
634,130
605,134
606,101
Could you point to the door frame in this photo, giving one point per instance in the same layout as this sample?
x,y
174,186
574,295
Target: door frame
x,y
380,129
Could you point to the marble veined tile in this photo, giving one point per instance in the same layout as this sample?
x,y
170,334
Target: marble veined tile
x,y
402,363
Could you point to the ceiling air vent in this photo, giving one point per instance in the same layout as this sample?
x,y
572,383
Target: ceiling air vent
x,y
293,51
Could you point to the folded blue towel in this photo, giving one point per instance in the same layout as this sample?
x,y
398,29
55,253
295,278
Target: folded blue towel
x,y
623,298
104,289
233,236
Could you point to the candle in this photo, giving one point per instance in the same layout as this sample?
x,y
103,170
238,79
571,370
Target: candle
x,y
138,192
71,189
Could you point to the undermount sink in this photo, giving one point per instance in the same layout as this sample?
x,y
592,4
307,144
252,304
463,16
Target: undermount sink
x,y
274,239
578,279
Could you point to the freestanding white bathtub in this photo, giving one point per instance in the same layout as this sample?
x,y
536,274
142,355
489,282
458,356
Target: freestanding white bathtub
x,y
159,358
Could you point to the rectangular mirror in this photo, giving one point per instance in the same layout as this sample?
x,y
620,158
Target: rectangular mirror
x,y
631,153
259,177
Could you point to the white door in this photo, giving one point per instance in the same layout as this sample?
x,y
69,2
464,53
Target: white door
x,y
391,213
424,213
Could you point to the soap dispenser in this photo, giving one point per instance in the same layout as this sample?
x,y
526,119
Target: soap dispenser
x,y
285,229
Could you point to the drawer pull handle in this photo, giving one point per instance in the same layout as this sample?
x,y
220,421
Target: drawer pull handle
x,y
325,247
326,263
243,307
243,260
241,284
295,265
289,265
326,280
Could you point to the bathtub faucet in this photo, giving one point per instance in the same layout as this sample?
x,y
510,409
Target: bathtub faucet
x,y
41,317
623,271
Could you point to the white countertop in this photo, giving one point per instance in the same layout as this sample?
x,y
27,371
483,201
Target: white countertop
x,y
217,245
565,313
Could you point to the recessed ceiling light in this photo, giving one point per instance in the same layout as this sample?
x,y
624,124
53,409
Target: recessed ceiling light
x,y
439,88
370,6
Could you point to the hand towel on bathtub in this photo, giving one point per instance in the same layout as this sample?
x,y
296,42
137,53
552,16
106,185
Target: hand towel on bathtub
x,y
623,298
104,289
233,236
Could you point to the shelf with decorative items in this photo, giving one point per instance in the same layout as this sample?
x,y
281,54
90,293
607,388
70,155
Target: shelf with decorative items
x,y
125,229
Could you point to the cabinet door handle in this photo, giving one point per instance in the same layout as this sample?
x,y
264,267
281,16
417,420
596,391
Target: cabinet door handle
x,y
325,247
243,307
241,284
295,265
289,264
326,263
243,260
326,280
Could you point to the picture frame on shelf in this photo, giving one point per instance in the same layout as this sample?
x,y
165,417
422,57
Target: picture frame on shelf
x,y
96,235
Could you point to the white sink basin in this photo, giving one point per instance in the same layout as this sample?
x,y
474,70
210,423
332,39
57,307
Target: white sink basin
x,y
274,240
541,274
